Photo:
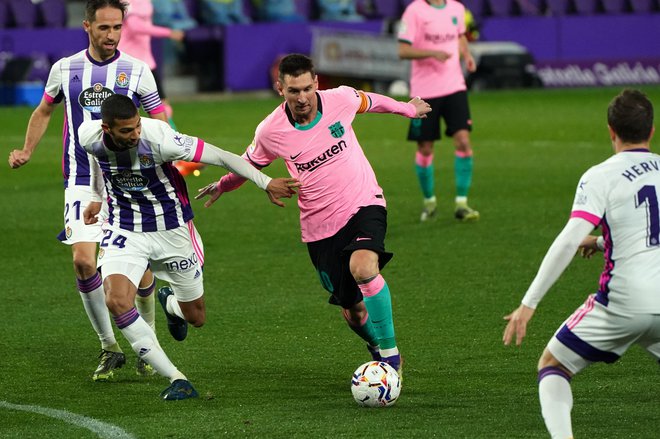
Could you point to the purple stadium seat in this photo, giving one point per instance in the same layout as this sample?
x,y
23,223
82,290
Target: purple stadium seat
x,y
388,9
501,8
4,15
305,8
641,6
558,7
40,67
53,13
615,6
23,13
477,7
586,7
530,7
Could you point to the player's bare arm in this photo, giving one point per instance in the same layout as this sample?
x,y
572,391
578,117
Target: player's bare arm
x,y
517,325
90,212
421,106
464,49
277,188
281,188
407,51
35,131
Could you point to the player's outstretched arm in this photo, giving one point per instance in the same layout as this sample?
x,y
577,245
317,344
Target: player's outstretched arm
x,y
377,103
276,189
35,131
554,263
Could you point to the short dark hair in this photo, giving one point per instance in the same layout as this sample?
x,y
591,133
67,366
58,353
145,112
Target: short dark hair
x,y
630,115
295,65
117,107
94,5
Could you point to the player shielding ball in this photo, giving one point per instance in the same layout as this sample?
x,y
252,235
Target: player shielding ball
x,y
150,223
621,196
342,208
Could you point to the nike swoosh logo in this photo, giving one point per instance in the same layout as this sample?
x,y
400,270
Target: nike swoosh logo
x,y
363,239
293,157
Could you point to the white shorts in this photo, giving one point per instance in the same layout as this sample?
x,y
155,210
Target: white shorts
x,y
596,333
76,199
175,256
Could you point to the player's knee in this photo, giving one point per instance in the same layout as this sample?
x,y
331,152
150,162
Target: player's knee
x,y
363,264
116,303
548,360
425,148
84,266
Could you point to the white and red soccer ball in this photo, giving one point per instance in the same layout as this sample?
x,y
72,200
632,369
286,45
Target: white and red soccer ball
x,y
375,384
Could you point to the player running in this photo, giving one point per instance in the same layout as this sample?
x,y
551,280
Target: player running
x,y
342,208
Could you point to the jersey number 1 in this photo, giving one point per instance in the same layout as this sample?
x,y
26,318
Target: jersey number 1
x,y
647,195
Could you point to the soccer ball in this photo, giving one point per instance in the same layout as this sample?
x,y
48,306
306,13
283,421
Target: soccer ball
x,y
375,384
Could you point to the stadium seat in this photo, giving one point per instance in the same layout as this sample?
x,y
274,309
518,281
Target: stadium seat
x,y
501,8
530,7
23,13
615,6
40,67
4,15
586,7
477,7
558,7
52,13
387,9
641,6
305,8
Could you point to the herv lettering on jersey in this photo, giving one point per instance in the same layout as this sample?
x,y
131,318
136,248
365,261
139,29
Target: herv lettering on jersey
x,y
640,169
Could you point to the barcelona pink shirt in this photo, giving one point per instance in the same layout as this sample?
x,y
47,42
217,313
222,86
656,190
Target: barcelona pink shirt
x,y
326,157
138,29
425,26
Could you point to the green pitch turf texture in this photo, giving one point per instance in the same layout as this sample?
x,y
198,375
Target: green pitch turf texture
x,y
274,359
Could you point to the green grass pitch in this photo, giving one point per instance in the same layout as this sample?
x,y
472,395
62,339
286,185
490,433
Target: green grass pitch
x,y
274,359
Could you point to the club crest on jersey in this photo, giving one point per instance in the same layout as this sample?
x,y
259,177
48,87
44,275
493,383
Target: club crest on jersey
x,y
146,161
91,98
68,232
454,20
130,182
122,80
337,130
101,253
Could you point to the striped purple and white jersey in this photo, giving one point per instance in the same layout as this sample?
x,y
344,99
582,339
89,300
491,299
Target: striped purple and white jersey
x,y
145,192
83,83
621,195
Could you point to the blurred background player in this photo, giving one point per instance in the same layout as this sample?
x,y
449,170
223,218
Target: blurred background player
x,y
82,81
150,223
432,35
137,33
342,208
620,195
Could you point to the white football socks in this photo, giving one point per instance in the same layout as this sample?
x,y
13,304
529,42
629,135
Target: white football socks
x,y
144,343
556,400
97,312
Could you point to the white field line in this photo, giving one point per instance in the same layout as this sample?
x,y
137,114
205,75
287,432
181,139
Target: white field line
x,y
102,429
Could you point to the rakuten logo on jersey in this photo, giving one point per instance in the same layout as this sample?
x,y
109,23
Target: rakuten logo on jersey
x,y
439,39
324,158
